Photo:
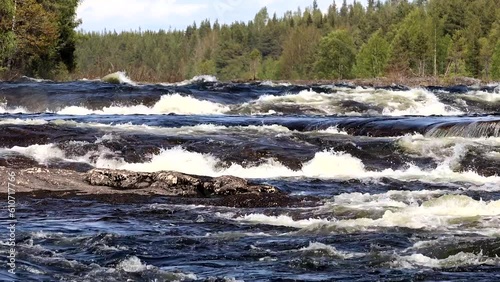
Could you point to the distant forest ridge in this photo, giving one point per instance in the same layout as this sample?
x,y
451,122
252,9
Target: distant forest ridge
x,y
392,39
398,38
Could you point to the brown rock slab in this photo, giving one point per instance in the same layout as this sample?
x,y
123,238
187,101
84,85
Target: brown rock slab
x,y
47,181
176,183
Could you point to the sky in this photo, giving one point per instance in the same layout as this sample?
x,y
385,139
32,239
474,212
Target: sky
x,y
125,15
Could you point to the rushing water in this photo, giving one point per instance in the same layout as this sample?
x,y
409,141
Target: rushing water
x,y
403,183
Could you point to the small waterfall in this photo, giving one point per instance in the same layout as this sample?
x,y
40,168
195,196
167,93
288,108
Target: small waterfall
x,y
476,129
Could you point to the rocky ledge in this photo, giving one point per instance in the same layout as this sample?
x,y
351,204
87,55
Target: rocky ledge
x,y
106,181
176,183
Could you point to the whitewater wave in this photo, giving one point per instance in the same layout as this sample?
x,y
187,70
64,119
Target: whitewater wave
x,y
18,121
196,79
349,102
449,149
4,109
39,80
174,103
183,130
119,77
354,102
274,84
316,248
273,129
481,96
459,260
391,200
445,212
324,165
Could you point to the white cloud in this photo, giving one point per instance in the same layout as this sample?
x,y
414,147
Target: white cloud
x,y
119,15
132,14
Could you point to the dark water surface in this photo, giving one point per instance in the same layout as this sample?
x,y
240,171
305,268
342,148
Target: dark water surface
x,y
406,181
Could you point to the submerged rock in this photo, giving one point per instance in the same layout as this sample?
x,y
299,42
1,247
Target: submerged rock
x,y
176,183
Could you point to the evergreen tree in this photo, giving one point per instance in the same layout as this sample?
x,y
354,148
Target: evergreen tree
x,y
433,37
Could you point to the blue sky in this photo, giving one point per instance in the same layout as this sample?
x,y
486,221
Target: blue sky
x,y
119,15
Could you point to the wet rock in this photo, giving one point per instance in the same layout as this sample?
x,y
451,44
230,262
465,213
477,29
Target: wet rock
x,y
73,166
271,200
17,161
477,160
358,107
177,184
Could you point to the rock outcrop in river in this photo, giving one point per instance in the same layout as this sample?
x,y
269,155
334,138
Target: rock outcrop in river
x,y
176,183
107,181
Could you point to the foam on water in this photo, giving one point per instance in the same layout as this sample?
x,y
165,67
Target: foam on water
x,y
119,77
448,211
279,220
4,109
389,200
391,103
274,84
183,130
459,260
198,78
320,248
353,102
445,148
18,121
482,96
36,79
132,264
334,130
174,103
324,165
134,267
41,153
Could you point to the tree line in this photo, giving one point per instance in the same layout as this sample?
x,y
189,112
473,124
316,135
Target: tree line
x,y
37,37
393,38
441,38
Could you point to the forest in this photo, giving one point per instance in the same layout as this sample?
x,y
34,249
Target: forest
x,y
394,38
38,38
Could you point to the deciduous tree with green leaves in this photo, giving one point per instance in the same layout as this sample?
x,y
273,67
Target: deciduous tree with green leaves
x,y
7,36
373,57
38,37
495,65
336,55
